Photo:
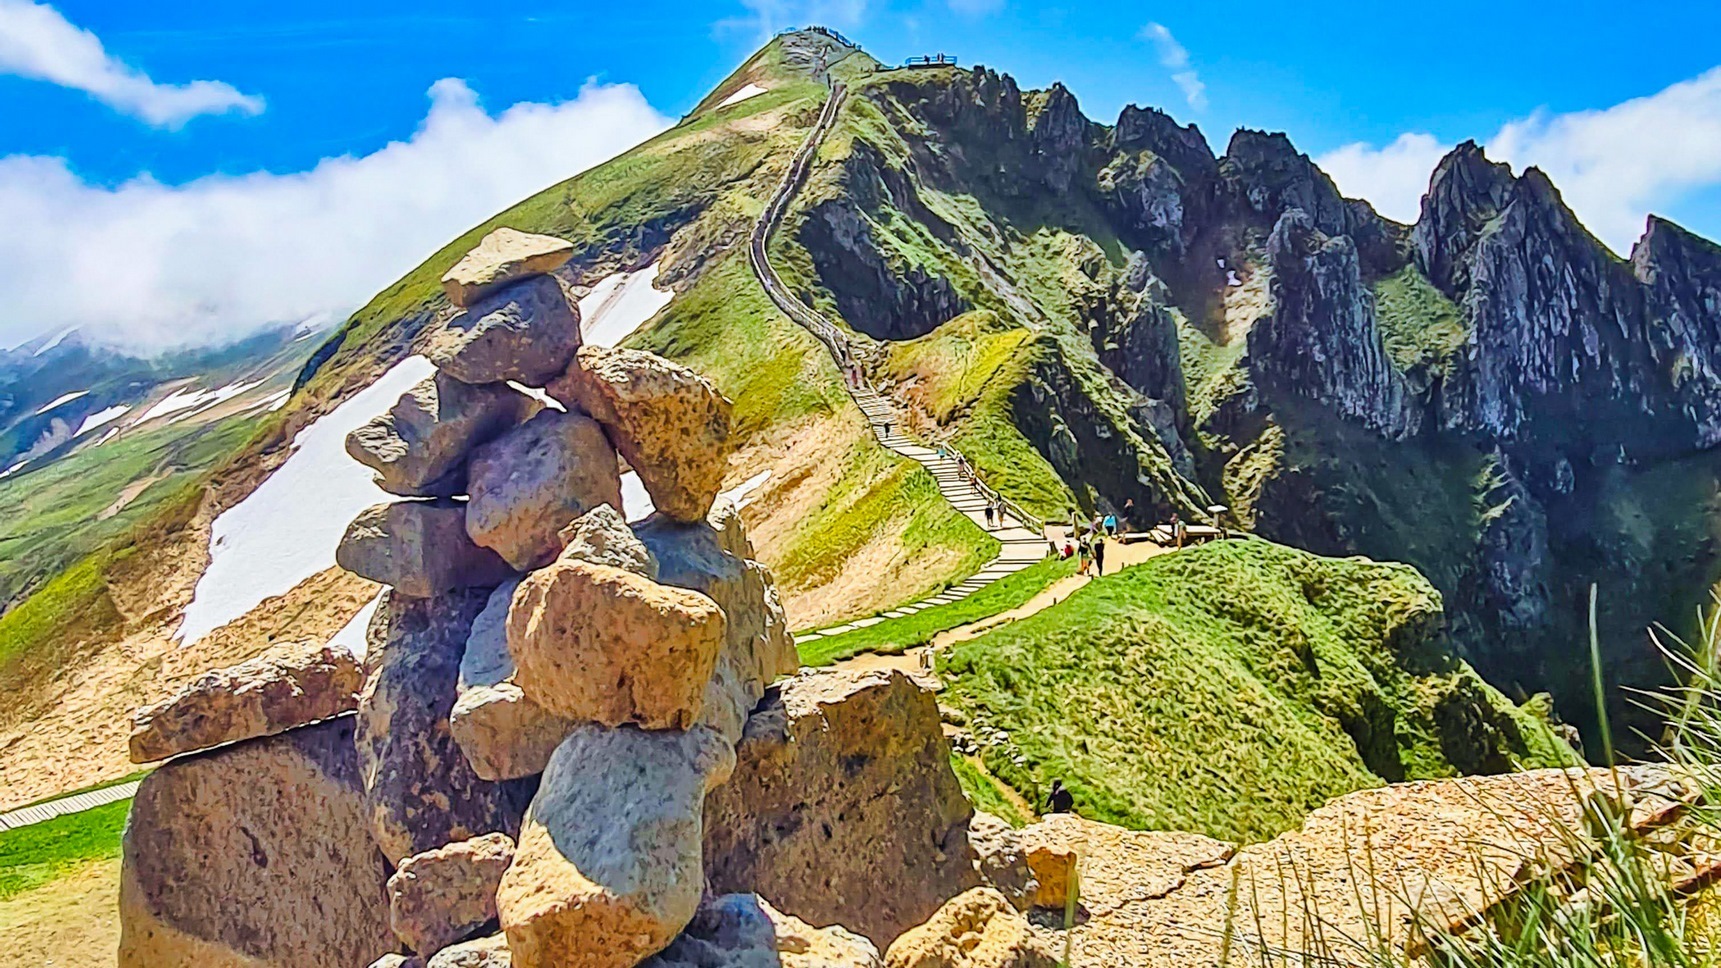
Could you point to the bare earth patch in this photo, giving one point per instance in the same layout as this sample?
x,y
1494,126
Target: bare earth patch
x,y
70,922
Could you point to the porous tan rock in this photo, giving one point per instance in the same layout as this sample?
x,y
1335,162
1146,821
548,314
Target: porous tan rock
x,y
1053,866
220,870
420,789
501,257
1027,866
608,869
976,929
668,421
420,548
285,688
443,896
526,332
420,444
598,644
885,807
531,482
489,952
504,735
744,931
602,537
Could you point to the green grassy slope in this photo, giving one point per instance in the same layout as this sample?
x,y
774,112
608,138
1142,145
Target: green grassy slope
x,y
33,856
1231,689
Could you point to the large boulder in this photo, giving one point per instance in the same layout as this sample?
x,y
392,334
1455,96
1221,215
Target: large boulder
x,y
281,690
529,483
713,557
421,548
598,644
504,256
422,792
977,929
420,444
504,735
668,421
885,807
526,332
221,871
608,869
743,931
443,896
1026,866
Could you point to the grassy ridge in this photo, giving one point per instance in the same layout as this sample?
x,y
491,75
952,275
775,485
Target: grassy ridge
x,y
1233,688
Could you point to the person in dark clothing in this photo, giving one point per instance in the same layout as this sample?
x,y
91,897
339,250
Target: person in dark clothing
x,y
1100,554
1059,800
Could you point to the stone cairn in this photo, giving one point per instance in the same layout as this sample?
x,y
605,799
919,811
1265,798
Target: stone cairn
x,y
562,747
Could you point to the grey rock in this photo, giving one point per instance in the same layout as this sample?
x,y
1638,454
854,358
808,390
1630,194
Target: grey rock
x,y
745,931
534,480
504,735
525,332
418,447
420,548
602,537
443,896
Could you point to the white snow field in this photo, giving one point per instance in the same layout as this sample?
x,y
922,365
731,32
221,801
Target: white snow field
x,y
351,637
100,417
619,304
287,530
61,401
194,400
751,90
740,494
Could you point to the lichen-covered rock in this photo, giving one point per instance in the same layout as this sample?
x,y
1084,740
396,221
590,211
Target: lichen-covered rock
x,y
598,644
219,869
744,931
602,537
608,869
424,438
504,256
280,690
531,482
421,791
886,808
976,929
420,548
526,332
504,735
668,421
442,896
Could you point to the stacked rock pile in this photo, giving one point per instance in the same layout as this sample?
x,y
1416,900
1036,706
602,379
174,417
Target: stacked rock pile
x,y
563,736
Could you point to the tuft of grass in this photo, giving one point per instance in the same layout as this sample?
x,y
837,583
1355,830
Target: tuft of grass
x,y
1422,329
1232,688
895,635
33,856
982,790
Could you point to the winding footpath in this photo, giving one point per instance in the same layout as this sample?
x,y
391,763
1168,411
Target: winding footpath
x,y
1022,544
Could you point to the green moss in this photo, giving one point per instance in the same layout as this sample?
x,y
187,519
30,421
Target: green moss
x,y
34,855
1421,328
1230,689
75,600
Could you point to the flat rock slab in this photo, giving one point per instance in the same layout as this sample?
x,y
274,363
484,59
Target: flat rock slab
x,y
505,255
421,791
445,895
744,931
221,870
418,447
282,690
885,808
420,548
668,421
608,870
526,332
533,481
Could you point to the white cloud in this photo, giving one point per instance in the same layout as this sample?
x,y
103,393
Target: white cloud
x,y
154,265
1174,57
38,43
765,17
1613,165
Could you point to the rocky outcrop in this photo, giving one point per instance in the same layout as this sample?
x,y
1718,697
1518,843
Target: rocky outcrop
x,y
420,548
745,931
1058,138
419,788
529,483
1021,864
281,690
504,735
1321,340
1681,276
446,895
977,929
526,332
598,644
420,444
502,257
608,870
668,421
886,794
219,868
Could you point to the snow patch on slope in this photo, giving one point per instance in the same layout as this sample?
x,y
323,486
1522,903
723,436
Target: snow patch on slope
x,y
351,637
740,494
619,304
751,90
100,417
287,530
62,400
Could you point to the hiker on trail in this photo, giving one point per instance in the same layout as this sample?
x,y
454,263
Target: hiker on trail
x,y
1178,529
1128,513
998,511
1100,555
1059,799
1067,551
887,428
1111,525
1087,546
988,515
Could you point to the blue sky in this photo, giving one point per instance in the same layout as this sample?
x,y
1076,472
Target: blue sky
x,y
201,168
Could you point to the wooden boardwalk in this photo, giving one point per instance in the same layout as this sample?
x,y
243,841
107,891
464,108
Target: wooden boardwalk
x,y
76,803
